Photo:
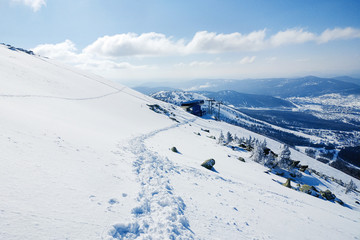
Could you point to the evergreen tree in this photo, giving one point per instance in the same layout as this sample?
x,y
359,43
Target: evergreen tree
x,y
283,160
253,141
248,141
258,154
269,160
236,139
265,143
229,138
351,186
221,138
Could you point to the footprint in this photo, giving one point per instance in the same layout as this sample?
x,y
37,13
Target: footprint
x,y
92,197
113,201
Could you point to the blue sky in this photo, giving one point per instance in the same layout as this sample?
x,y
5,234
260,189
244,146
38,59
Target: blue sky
x,y
131,40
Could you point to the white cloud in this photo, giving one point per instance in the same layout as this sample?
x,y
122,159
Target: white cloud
x,y
199,88
210,42
200,64
157,44
103,65
131,44
34,4
338,33
117,54
291,36
247,60
67,52
297,36
194,64
62,51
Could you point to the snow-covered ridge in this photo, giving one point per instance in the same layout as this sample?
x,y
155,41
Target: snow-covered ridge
x,y
229,97
32,74
86,158
18,49
177,97
283,87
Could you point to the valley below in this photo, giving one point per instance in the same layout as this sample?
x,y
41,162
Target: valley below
x,y
326,127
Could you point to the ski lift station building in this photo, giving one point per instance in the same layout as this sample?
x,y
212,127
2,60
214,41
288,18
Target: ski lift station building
x,y
193,107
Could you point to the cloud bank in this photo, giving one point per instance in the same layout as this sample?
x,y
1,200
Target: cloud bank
x,y
131,44
67,52
157,44
34,4
338,34
206,53
210,42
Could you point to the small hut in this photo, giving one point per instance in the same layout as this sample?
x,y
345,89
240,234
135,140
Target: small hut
x,y
194,107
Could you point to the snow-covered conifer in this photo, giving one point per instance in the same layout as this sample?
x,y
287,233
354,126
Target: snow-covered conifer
x,y
236,139
229,138
269,160
283,160
351,186
221,138
248,141
258,154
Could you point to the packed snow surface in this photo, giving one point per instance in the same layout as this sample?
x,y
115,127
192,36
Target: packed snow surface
x,y
85,158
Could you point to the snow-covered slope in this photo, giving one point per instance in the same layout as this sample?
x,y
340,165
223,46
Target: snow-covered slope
x,y
85,158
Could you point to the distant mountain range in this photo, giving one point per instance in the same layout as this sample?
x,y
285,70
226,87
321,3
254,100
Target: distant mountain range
x,y
240,100
152,90
229,97
309,86
348,79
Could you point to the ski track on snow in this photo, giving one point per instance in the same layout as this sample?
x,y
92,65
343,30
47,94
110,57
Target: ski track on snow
x,y
160,213
74,99
63,98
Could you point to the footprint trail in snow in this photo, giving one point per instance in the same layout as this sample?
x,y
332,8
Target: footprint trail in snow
x,y
160,213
